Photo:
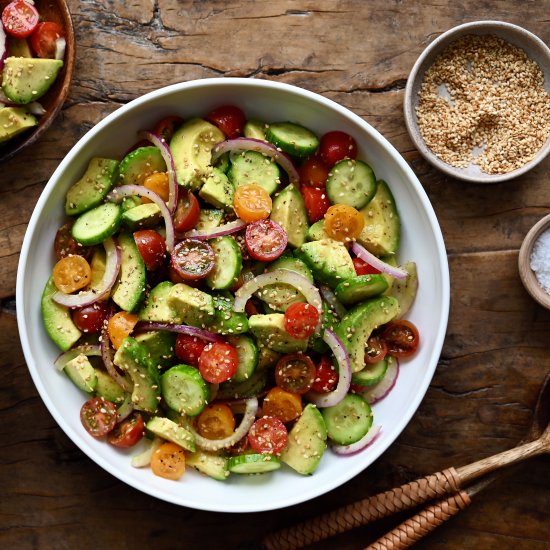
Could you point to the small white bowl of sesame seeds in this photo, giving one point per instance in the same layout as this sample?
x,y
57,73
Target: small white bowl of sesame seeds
x,y
477,102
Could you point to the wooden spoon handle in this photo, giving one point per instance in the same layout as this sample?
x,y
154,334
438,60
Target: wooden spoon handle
x,y
418,526
364,511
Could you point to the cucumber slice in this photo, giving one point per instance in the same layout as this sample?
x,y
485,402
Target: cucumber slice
x,y
248,357
95,225
139,164
360,288
292,138
348,421
184,390
351,182
371,374
253,167
253,464
229,263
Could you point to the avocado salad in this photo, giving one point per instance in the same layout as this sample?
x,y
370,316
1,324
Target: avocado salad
x,y
228,294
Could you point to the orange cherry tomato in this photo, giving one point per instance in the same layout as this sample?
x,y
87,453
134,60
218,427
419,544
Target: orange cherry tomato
x,y
120,326
216,421
252,202
158,183
282,404
343,223
71,274
168,461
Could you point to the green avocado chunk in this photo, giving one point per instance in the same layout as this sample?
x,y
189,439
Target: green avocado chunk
x,y
218,190
270,330
13,121
192,305
289,211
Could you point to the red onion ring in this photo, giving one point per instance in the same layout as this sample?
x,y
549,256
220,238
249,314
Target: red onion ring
x,y
371,259
144,459
144,326
222,230
358,446
242,144
92,350
3,45
85,298
377,392
332,301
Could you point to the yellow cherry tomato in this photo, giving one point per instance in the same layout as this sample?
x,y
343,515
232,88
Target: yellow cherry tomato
x,y
216,421
343,223
158,183
252,202
282,404
72,273
168,461
120,326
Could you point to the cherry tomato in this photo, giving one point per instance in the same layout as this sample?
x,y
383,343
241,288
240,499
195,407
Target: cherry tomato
x,y
337,146
72,273
166,127
252,202
218,362
265,240
193,259
152,247
187,212
313,172
326,376
128,432
189,348
44,37
375,350
90,319
401,337
343,223
301,320
158,183
168,461
216,421
282,404
66,245
268,435
98,416
229,119
20,18
363,268
295,373
316,202
120,326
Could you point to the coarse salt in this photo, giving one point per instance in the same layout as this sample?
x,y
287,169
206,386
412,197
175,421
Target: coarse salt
x,y
540,260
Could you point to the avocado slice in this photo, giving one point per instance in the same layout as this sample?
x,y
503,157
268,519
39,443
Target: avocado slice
x,y
108,389
160,347
157,307
82,373
362,287
169,430
210,464
141,216
218,190
270,331
404,290
193,306
13,121
316,232
289,211
225,320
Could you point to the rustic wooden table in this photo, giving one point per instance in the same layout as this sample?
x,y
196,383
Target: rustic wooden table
x,y
495,356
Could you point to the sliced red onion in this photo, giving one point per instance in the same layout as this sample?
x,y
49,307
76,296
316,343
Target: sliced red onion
x,y
170,165
217,444
87,297
371,259
332,301
36,108
118,193
60,46
3,45
242,144
358,446
344,374
144,459
200,333
222,230
90,350
377,392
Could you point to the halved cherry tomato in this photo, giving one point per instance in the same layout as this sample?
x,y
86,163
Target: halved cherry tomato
x,y
268,435
128,432
316,202
168,461
401,337
189,348
229,119
43,39
71,273
120,326
216,421
301,319
218,362
252,202
166,127
193,259
375,350
313,172
98,416
326,376
20,18
336,146
152,248
295,373
343,223
265,240
66,245
90,319
187,212
282,404
158,183
363,268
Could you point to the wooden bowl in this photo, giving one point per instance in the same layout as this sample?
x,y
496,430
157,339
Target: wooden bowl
x,y
52,101
527,275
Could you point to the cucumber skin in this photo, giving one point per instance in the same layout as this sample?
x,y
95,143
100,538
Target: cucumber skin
x,y
174,384
359,426
347,186
229,263
83,236
253,464
276,134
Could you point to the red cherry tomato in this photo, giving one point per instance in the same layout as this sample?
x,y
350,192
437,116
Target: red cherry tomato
x,y
268,435
265,240
98,416
401,337
43,39
65,244
316,201
337,146
363,268
193,259
218,362
152,247
128,432
20,18
313,172
90,319
229,119
301,320
166,127
189,348
375,350
295,373
187,212
326,376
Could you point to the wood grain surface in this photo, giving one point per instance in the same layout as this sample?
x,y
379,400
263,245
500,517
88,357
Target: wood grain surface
x,y
496,352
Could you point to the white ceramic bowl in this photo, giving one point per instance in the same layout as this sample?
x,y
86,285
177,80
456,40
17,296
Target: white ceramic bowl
x,y
421,241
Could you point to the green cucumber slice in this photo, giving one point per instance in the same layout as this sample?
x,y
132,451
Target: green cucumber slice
x,y
184,390
351,182
253,464
371,374
248,357
253,167
362,287
229,263
348,421
292,138
139,164
95,225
